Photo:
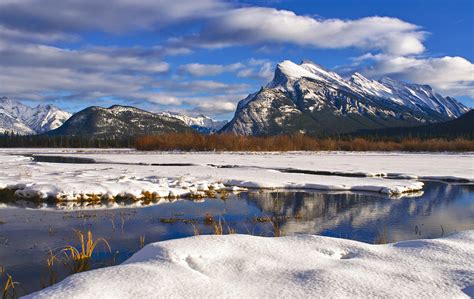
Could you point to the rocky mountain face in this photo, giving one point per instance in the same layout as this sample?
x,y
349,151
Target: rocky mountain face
x,y
118,121
306,98
201,123
22,119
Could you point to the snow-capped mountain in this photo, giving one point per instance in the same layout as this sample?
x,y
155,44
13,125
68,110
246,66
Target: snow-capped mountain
x,y
118,121
309,99
201,123
22,119
417,97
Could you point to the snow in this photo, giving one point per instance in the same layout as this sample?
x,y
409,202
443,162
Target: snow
x,y
200,121
301,266
23,119
417,97
309,70
295,71
130,173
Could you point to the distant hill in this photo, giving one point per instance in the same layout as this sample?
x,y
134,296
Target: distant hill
x,y
117,122
459,127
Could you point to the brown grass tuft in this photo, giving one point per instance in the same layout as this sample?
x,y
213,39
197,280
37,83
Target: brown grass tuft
x,y
78,260
8,286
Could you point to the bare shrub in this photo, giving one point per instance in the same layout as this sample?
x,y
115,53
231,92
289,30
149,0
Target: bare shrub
x,y
298,142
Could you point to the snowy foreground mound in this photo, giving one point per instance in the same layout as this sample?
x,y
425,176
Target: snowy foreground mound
x,y
298,266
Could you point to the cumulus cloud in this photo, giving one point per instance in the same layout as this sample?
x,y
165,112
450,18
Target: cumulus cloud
x,y
34,66
200,87
213,105
452,76
52,16
260,69
256,25
88,60
31,70
200,70
19,36
225,25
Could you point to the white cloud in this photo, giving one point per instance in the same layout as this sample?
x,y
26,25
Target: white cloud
x,y
15,35
31,67
118,16
86,60
200,70
260,69
226,24
214,105
256,25
200,87
452,76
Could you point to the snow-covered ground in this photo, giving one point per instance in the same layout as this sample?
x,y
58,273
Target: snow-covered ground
x,y
130,173
302,266
249,266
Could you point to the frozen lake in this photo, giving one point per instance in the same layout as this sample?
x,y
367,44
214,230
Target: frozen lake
x,y
27,234
132,198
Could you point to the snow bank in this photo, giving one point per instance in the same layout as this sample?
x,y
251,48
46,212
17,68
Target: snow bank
x,y
394,164
112,178
241,266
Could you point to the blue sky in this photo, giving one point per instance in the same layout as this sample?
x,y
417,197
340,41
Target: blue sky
x,y
204,56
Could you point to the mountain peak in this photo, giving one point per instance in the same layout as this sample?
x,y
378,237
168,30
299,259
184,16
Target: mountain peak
x,y
202,123
118,120
359,76
287,72
24,119
6,101
312,63
309,98
293,70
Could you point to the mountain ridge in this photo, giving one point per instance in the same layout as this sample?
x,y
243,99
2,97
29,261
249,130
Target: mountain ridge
x,y
118,121
307,98
22,119
201,123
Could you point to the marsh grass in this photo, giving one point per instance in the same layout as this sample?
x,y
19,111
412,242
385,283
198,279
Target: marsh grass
x,y
170,220
277,232
51,266
7,195
78,259
262,219
217,227
382,237
8,285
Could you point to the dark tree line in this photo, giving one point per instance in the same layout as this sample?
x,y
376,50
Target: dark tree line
x,y
15,140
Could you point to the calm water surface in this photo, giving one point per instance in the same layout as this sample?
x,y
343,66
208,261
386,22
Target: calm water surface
x,y
27,234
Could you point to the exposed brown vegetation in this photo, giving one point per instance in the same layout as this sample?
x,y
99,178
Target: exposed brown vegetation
x,y
78,259
8,285
382,237
229,142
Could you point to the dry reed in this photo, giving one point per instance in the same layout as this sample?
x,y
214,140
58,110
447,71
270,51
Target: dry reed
x,y
78,260
299,142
